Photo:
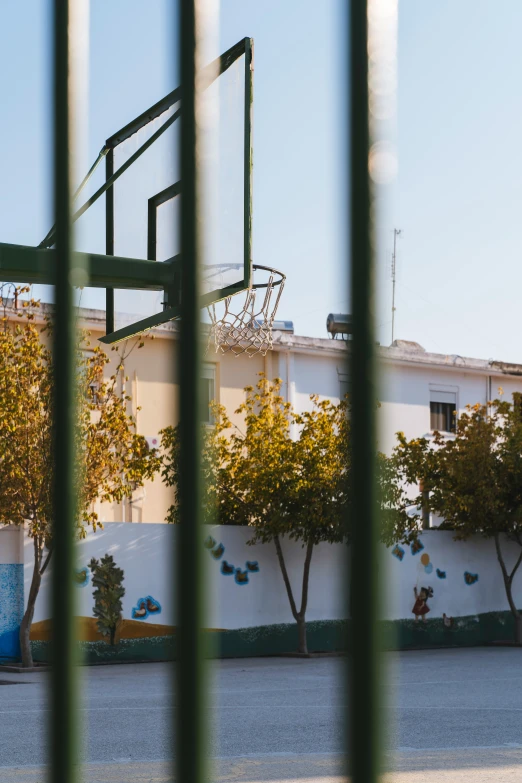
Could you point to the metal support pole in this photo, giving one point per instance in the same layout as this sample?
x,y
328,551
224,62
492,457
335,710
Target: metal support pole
x,y
63,694
396,233
364,588
109,240
191,684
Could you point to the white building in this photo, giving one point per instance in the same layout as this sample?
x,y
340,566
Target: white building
x,y
418,391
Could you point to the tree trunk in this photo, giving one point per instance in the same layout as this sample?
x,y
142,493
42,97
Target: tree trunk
x,y
518,630
508,584
25,625
301,635
299,616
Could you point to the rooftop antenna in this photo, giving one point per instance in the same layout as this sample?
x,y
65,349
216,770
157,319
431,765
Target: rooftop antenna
x,y
396,233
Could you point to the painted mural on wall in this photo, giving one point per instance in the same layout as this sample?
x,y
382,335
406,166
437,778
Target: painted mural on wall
x,y
11,608
420,607
425,560
145,607
107,580
253,620
423,591
398,552
81,577
241,576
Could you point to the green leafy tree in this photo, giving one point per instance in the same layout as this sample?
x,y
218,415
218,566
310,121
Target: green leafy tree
x,y
107,579
287,475
112,458
474,480
220,504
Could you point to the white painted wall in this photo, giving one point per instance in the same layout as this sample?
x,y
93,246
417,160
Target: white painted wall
x,y
11,545
404,386
405,398
145,554
451,595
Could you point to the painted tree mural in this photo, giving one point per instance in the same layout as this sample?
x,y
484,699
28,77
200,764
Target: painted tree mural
x,y
107,580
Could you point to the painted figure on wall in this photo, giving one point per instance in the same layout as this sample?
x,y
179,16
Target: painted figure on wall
x,y
447,621
398,552
81,577
420,607
145,607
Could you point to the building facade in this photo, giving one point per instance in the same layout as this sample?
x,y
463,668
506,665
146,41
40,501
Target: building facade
x,y
417,390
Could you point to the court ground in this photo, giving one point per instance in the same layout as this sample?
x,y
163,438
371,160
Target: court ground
x,y
458,717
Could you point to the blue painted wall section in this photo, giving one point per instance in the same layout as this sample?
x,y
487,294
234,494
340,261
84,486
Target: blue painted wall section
x,y
11,608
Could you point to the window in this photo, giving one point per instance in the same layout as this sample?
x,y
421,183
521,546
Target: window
x,y
443,407
345,387
208,392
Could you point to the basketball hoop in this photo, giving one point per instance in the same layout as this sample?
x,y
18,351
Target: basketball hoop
x,y
247,329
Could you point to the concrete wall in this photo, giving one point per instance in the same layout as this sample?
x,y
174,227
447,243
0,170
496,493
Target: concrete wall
x,y
248,607
145,554
442,564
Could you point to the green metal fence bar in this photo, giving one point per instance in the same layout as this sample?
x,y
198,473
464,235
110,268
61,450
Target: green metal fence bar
x,y
363,661
248,153
63,723
191,713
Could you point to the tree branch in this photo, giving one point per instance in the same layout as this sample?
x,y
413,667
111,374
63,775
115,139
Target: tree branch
x,y
500,557
46,563
507,580
306,575
285,577
513,572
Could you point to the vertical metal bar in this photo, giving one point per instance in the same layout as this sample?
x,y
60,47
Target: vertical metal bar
x,y
364,662
249,106
151,230
63,697
191,690
109,239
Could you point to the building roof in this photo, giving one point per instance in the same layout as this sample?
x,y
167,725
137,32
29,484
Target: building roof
x,y
401,351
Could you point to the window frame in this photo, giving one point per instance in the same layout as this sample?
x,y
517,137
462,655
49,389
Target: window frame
x,y
209,372
344,380
441,391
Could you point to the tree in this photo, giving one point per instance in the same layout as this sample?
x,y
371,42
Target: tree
x,y
112,458
474,480
107,578
219,503
287,475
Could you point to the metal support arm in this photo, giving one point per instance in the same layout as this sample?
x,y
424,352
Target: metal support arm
x,y
19,263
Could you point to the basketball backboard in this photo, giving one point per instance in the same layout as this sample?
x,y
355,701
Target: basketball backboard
x,y
143,192
129,240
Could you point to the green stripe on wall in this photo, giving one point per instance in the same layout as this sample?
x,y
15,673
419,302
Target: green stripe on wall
x,y
323,636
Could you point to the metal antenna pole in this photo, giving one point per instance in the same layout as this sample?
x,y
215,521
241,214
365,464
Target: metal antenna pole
x,y
396,233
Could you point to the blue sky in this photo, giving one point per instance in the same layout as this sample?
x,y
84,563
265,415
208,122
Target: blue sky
x,y
458,192
458,195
